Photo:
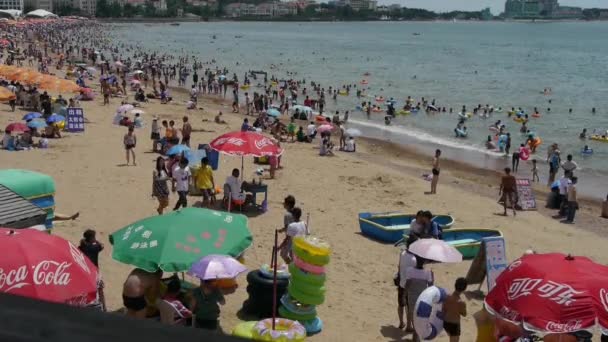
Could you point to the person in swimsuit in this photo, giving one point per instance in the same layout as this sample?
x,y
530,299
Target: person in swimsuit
x,y
139,283
130,140
508,191
436,169
454,308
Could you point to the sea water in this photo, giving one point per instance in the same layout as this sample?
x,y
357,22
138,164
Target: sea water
x,y
502,64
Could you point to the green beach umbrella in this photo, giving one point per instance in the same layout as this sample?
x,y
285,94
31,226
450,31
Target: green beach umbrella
x,y
172,242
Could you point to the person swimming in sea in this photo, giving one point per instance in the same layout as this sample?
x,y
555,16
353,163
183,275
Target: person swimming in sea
x,y
523,128
387,120
490,145
583,134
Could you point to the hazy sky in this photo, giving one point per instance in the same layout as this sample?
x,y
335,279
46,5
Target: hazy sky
x,y
497,6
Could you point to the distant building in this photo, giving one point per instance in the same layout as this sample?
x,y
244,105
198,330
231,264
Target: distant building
x,y
46,5
11,5
356,5
540,9
86,7
486,14
159,5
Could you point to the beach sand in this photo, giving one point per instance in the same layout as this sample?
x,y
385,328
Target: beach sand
x,y
361,298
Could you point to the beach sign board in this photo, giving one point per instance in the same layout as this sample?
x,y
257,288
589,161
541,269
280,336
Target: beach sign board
x,y
75,120
496,258
489,263
525,195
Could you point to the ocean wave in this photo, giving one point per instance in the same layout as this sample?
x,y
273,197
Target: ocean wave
x,y
423,136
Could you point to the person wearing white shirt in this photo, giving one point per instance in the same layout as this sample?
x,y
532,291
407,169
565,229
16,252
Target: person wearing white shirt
x,y
311,131
569,165
296,228
181,183
350,145
234,183
564,183
416,281
406,261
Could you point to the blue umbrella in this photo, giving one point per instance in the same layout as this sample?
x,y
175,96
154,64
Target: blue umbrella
x,y
273,112
195,156
31,116
36,124
55,118
177,149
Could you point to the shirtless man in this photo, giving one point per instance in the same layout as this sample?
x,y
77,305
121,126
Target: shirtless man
x,y
138,285
436,169
454,308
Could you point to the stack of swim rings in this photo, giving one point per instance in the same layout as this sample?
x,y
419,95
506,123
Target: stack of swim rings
x,y
260,290
428,315
306,287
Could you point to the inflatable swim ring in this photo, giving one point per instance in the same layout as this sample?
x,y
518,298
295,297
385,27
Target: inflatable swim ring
x,y
313,259
524,154
520,120
294,306
587,152
313,326
306,298
535,143
274,84
536,115
364,82
285,330
285,313
305,277
244,330
599,138
308,289
379,99
320,118
245,86
428,320
268,272
493,129
312,245
377,110
343,92
304,266
404,112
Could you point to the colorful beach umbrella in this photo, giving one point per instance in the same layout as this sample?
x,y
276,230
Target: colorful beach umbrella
x,y
6,94
124,108
177,149
301,108
173,242
217,267
137,111
353,132
552,293
273,112
45,267
55,118
245,144
17,127
31,116
435,250
325,128
36,123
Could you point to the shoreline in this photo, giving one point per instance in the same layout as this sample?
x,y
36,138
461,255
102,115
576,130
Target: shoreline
x,y
164,20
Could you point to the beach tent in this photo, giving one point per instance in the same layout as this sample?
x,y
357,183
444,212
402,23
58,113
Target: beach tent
x,y
35,187
10,14
40,14
17,212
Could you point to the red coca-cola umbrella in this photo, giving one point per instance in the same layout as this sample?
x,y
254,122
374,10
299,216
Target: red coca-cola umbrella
x,y
46,267
17,127
552,293
246,144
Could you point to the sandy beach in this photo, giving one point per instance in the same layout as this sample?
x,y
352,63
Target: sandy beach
x,y
361,297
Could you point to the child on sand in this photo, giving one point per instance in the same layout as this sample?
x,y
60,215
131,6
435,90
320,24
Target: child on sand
x,y
453,309
206,301
535,171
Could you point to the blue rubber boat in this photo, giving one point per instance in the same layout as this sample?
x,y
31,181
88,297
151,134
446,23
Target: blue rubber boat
x,y
391,227
468,241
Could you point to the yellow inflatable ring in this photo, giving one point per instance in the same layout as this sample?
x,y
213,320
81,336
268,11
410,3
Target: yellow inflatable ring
x,y
285,330
244,330
599,138
314,259
312,245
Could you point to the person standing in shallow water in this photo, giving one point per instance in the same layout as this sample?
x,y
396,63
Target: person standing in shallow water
x,y
436,168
